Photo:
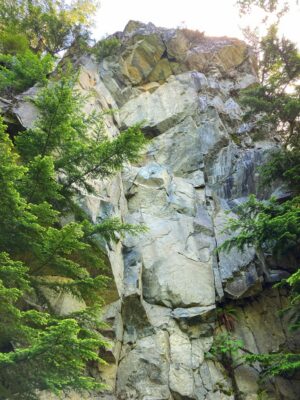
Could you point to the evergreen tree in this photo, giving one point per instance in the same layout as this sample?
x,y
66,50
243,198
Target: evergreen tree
x,y
33,348
40,173
33,32
20,72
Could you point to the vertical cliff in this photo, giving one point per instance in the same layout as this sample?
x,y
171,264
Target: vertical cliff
x,y
200,161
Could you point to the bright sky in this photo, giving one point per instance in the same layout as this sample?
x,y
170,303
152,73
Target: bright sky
x,y
214,17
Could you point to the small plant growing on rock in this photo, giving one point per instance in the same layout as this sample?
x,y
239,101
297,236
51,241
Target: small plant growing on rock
x,y
225,348
227,316
106,47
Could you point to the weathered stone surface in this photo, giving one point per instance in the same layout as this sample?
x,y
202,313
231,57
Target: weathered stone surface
x,y
246,379
165,284
224,54
181,375
150,87
71,395
24,109
232,173
136,324
261,330
153,175
199,163
178,46
111,314
212,382
161,71
157,110
178,147
159,316
237,270
143,371
163,279
142,57
192,312
245,283
181,196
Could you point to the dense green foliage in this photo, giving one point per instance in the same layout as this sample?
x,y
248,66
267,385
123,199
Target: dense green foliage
x,y
106,47
77,140
49,25
19,72
31,339
275,364
284,166
42,171
40,174
13,43
33,32
279,71
39,351
277,102
270,225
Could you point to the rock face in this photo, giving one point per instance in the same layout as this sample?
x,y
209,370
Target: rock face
x,y
201,159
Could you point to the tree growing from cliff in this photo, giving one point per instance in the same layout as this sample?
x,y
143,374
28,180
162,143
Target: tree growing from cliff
x,y
41,172
18,73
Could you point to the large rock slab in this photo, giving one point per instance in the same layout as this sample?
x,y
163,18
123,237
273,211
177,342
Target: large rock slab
x,y
156,111
171,277
143,370
141,57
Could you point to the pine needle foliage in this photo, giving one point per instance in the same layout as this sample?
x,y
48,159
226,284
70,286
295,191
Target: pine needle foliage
x,y
20,72
278,107
81,148
40,173
275,364
33,33
267,224
106,47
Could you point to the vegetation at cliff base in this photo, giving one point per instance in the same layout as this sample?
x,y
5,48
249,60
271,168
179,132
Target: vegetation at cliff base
x,y
48,245
40,174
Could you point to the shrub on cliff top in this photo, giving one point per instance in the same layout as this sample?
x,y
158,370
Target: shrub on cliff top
x,y
106,47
